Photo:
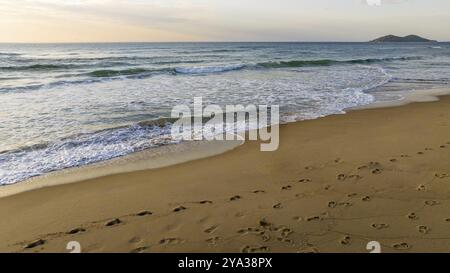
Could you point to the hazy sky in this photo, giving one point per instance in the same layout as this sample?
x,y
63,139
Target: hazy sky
x,y
220,20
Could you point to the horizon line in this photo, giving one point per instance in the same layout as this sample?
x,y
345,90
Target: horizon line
x,y
192,42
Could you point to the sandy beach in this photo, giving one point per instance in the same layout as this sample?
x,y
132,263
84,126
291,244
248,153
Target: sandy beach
x,y
335,184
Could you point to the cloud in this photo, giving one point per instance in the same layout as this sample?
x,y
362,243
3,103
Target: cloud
x,y
216,20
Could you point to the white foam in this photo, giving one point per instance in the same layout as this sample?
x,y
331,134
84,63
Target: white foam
x,y
208,69
146,160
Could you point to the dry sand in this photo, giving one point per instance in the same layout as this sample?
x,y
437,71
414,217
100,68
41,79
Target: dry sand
x,y
334,185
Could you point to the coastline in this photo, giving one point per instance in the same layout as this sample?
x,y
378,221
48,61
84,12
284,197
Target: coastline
x,y
335,183
175,154
149,159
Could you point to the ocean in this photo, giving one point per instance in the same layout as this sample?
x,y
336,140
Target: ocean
x,y
69,105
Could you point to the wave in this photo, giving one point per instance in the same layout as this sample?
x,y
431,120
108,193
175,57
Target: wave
x,y
209,69
179,62
116,73
210,51
176,70
287,64
82,149
66,64
443,81
37,67
32,87
195,70
147,124
329,62
9,54
142,72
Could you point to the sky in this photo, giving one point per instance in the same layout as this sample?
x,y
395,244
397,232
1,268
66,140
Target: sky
x,y
51,21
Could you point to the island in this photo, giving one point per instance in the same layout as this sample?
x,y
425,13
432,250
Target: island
x,y
398,39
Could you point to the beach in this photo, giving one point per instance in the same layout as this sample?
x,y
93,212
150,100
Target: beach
x,y
335,184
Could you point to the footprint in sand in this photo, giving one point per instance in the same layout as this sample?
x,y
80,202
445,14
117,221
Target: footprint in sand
x,y
284,236
404,156
431,203
420,153
213,240
447,220
255,249
442,146
441,175
413,216
144,213
380,226
351,195
285,240
114,222
139,250
346,240
259,192
211,229
393,160
170,241
314,218
423,229
286,188
265,224
178,209
235,198
304,180
401,246
366,198
34,244
355,177
376,171
332,204
278,206
421,188
205,202
253,230
341,177
285,232
370,165
242,231
265,237
76,231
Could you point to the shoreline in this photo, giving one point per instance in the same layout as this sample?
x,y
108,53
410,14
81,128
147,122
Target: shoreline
x,y
335,184
149,159
170,155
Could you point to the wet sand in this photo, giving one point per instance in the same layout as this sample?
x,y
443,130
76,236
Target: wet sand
x,y
335,184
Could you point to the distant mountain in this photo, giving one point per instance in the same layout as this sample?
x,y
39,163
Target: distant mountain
x,y
397,39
